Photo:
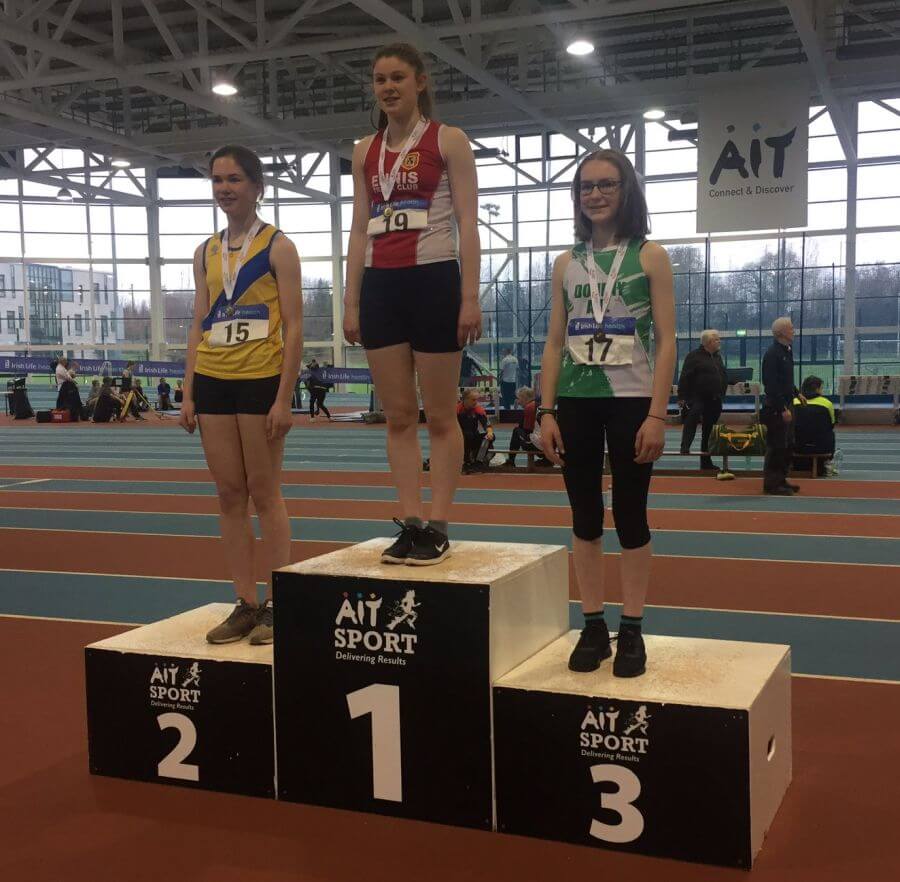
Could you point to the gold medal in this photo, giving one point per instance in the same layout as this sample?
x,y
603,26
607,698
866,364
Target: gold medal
x,y
388,211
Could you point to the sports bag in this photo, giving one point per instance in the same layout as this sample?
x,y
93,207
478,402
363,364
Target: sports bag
x,y
746,440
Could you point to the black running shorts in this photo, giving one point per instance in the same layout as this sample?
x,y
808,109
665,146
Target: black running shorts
x,y
418,305
215,396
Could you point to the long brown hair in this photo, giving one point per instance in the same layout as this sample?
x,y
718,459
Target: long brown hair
x,y
632,220
408,53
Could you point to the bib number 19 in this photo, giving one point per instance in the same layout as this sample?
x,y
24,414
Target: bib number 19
x,y
396,222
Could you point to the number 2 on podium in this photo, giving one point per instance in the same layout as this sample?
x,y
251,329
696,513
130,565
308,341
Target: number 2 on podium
x,y
383,703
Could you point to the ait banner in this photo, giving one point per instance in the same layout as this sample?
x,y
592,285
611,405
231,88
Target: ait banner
x,y
752,160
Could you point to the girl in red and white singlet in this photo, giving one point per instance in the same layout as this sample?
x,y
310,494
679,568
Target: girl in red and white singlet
x,y
411,296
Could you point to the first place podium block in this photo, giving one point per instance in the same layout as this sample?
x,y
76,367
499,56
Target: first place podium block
x,y
383,673
163,705
689,761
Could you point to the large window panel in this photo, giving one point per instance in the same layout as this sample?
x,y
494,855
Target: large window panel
x,y
878,212
874,181
667,162
314,217
874,144
671,195
131,247
130,219
192,189
673,225
179,247
55,245
54,218
195,219
312,244
10,245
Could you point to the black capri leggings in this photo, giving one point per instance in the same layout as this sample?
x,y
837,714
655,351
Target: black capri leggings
x,y
585,424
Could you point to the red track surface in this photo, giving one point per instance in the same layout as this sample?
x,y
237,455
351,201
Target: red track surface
x,y
837,823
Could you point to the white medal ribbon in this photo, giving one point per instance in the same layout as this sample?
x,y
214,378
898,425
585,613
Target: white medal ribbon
x,y
386,182
595,275
229,278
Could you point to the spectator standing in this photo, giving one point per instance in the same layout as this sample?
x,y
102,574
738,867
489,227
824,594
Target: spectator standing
x,y
163,395
702,387
179,391
509,375
778,409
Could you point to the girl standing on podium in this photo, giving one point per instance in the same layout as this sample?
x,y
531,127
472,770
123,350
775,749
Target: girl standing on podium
x,y
412,295
242,363
599,387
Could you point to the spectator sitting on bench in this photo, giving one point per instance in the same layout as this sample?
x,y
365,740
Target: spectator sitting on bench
x,y
521,434
108,405
476,427
813,424
91,403
163,395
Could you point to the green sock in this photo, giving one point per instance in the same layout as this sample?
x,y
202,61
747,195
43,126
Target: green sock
x,y
440,526
632,622
594,619
414,522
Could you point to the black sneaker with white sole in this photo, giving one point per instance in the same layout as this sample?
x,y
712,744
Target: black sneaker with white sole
x,y
430,547
398,552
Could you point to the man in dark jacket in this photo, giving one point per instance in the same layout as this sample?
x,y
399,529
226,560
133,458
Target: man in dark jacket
x,y
702,387
778,409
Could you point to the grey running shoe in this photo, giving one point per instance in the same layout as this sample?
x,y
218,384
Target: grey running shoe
x,y
237,626
265,622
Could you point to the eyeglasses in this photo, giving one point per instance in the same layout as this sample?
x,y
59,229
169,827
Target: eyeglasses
x,y
607,187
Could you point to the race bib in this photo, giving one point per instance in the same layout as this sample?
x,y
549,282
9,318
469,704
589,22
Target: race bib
x,y
609,344
245,324
398,216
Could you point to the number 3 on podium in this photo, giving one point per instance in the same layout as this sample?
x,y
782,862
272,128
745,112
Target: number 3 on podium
x,y
383,703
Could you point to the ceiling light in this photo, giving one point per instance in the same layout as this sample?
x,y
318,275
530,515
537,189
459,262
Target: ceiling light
x,y
64,195
580,47
118,162
654,114
224,87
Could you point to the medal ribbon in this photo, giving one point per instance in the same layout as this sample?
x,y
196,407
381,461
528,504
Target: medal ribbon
x,y
229,279
386,182
595,274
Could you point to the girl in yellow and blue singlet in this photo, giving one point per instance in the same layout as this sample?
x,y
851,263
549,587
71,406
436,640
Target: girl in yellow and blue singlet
x,y
243,359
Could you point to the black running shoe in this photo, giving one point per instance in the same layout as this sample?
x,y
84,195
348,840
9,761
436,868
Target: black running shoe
x,y
591,649
631,657
399,551
430,547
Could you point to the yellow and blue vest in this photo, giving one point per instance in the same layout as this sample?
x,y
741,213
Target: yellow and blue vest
x,y
255,285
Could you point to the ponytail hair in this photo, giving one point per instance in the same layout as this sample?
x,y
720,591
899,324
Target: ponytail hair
x,y
408,53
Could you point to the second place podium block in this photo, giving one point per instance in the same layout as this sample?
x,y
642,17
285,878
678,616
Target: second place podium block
x,y
383,673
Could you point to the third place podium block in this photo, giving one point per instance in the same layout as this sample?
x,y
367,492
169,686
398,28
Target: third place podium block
x,y
689,761
383,673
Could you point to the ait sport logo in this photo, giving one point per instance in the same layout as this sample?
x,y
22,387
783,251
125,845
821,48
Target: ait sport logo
x,y
171,688
604,736
365,624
